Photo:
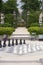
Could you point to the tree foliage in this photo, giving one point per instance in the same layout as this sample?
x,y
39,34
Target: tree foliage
x,y
1,7
33,18
10,6
31,5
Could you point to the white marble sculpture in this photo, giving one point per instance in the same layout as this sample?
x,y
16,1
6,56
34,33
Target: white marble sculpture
x,y
2,18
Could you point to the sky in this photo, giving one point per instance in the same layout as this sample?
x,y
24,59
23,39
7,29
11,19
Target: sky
x,y
19,7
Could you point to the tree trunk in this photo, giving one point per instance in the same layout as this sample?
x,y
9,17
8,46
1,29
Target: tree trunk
x,y
0,17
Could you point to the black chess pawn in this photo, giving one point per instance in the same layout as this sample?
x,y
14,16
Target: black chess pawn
x,y
13,42
24,42
4,44
9,43
16,42
0,45
20,42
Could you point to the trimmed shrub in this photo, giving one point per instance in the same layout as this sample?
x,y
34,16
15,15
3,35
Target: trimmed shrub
x,y
35,24
7,30
37,30
5,25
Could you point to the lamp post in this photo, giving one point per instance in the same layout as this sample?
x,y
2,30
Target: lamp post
x,y
42,5
15,17
40,19
27,19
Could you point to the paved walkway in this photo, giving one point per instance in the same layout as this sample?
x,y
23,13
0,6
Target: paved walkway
x,y
20,32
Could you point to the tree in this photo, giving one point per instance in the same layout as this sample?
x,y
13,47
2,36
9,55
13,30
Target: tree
x,y
10,6
1,5
9,18
33,19
31,5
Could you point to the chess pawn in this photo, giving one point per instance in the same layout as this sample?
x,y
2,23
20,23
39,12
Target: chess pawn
x,y
20,42
13,42
24,42
0,45
4,44
16,42
9,43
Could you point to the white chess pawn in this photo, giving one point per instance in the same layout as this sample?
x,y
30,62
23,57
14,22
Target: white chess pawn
x,y
15,49
20,50
29,48
41,45
25,51
34,48
37,47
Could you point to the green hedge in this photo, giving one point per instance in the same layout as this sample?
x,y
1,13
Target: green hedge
x,y
7,30
37,30
5,25
35,24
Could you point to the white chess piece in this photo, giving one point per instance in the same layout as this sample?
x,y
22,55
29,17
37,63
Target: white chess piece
x,y
37,47
34,48
20,50
15,49
25,51
29,48
41,45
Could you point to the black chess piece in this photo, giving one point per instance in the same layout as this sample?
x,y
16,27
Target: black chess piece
x,y
4,44
16,42
24,42
5,38
9,43
20,41
13,42
0,45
